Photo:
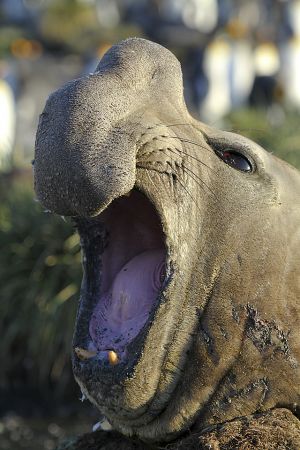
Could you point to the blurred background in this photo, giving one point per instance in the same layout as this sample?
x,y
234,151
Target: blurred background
x,y
241,65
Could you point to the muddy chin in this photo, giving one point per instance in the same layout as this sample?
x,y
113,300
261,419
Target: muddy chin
x,y
189,310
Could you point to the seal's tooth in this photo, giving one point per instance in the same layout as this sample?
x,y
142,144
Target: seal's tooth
x,y
113,358
84,354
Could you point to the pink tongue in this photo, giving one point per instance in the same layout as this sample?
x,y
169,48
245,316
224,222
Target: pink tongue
x,y
123,310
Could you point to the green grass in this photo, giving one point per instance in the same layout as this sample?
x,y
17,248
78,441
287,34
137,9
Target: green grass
x,y
40,274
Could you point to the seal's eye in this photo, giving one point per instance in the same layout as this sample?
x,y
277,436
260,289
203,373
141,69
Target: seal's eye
x,y
235,160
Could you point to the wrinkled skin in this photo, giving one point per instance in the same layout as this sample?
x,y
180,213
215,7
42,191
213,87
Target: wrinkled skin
x,y
222,339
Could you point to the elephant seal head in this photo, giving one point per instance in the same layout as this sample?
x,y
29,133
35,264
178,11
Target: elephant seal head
x,y
189,311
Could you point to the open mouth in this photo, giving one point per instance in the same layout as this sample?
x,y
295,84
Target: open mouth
x,y
127,276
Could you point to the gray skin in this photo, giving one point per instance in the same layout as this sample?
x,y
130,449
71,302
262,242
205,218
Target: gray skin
x,y
223,340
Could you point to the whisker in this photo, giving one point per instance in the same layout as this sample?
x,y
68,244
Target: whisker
x,y
190,156
182,124
187,191
187,168
187,141
148,175
169,125
192,174
203,183
181,184
155,187
181,139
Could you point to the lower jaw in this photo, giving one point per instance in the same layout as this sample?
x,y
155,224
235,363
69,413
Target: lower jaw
x,y
147,427
106,387
147,422
111,398
158,430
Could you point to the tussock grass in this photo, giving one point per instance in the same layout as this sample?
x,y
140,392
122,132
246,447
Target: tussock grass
x,y
40,274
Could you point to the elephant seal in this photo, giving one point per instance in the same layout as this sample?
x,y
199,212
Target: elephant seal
x,y
189,311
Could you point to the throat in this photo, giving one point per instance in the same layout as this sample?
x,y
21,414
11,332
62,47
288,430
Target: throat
x,y
123,310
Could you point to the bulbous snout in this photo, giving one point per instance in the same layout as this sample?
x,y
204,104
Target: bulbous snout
x,y
83,160
85,148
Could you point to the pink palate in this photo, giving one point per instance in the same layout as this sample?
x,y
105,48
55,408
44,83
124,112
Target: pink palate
x,y
123,310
